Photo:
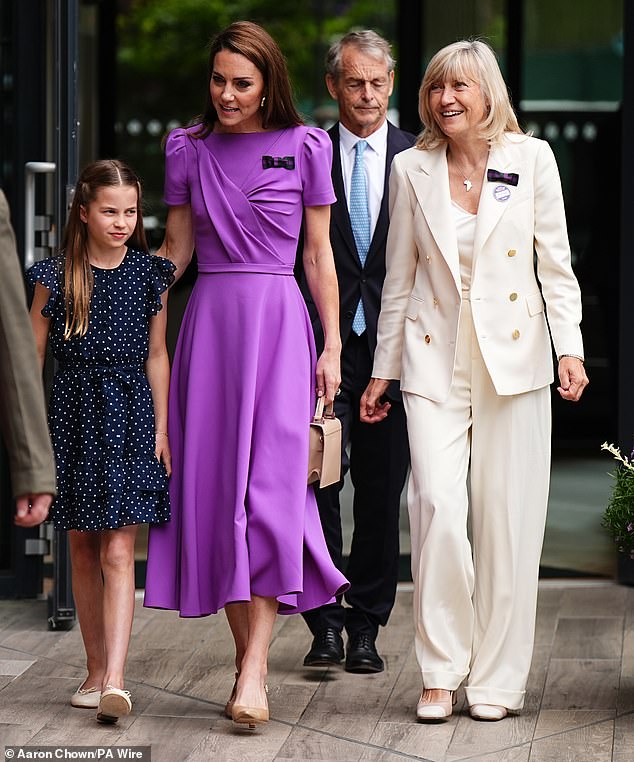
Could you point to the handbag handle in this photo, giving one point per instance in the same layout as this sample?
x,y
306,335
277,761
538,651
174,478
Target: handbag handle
x,y
323,411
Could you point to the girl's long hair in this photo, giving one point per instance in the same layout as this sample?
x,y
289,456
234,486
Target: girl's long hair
x,y
256,44
78,277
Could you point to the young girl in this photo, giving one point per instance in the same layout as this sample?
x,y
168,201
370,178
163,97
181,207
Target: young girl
x,y
100,302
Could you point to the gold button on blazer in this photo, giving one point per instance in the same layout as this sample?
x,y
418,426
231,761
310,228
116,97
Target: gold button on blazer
x,y
530,215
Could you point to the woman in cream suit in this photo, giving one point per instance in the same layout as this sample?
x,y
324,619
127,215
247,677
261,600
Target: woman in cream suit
x,y
478,270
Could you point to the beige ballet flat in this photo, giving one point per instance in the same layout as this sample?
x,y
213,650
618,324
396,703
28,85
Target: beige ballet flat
x,y
86,698
114,703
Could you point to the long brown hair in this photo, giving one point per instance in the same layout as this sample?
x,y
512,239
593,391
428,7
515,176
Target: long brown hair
x,y
257,45
78,277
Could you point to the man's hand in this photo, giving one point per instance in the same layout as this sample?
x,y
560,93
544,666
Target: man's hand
x,y
31,510
372,410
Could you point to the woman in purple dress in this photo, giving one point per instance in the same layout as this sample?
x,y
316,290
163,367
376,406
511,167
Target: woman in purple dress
x,y
245,532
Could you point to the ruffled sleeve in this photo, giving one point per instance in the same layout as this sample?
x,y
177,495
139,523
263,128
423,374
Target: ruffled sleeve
x,y
161,278
316,168
49,273
176,191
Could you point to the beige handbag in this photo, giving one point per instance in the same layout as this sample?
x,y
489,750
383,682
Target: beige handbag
x,y
324,450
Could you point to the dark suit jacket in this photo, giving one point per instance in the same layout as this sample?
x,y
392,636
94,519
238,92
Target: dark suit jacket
x,y
356,281
22,412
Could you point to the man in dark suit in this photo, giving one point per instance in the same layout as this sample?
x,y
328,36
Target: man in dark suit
x,y
360,77
22,412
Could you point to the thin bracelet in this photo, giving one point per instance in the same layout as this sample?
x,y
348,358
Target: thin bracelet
x,y
160,433
575,356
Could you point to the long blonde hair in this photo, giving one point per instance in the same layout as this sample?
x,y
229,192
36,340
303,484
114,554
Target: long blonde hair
x,y
467,60
78,277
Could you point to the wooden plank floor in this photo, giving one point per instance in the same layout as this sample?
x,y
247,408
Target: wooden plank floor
x,y
579,706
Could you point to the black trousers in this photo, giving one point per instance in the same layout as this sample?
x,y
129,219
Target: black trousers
x,y
378,462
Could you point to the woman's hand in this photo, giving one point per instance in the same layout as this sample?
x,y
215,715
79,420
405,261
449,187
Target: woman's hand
x,y
371,410
163,452
328,374
572,377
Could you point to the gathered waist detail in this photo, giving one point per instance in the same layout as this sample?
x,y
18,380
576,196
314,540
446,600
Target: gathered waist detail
x,y
114,389
268,268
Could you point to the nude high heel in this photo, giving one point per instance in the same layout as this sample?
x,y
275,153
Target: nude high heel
x,y
232,698
250,715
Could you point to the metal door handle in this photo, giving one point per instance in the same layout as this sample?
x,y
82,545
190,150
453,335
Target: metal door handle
x,y
31,222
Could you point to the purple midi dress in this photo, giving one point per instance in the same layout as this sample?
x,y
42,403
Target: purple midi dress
x,y
242,391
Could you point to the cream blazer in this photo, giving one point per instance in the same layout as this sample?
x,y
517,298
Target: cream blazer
x,y
521,262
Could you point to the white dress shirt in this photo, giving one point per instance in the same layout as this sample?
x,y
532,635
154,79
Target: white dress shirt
x,y
374,158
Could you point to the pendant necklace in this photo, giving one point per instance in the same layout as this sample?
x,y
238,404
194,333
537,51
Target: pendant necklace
x,y
467,179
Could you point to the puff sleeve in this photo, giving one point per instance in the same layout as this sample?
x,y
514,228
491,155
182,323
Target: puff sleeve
x,y
161,278
49,272
316,166
176,190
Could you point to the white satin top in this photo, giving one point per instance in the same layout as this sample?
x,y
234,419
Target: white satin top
x,y
465,232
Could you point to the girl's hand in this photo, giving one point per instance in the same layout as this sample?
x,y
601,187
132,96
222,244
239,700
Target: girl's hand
x,y
328,374
371,409
162,451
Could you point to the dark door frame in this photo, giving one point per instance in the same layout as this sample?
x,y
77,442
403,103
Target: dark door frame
x,y
626,269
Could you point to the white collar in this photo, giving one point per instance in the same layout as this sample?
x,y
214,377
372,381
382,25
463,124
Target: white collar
x,y
377,140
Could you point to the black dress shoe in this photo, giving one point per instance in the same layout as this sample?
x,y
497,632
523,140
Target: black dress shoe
x,y
362,656
326,650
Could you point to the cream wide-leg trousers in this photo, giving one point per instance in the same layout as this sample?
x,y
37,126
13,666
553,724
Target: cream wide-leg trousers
x,y
474,607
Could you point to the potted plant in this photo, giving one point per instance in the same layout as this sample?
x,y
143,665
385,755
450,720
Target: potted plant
x,y
618,517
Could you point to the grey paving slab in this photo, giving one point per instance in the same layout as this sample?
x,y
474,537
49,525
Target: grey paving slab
x,y
579,701
588,638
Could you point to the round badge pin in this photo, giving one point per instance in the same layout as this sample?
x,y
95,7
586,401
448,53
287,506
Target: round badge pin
x,y
501,193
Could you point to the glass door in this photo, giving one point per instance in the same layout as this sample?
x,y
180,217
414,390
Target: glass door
x,y
25,56
39,145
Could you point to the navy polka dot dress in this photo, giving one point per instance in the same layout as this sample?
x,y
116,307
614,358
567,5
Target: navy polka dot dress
x,y
101,414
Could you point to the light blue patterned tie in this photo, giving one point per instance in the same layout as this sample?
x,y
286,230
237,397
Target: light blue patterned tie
x,y
360,221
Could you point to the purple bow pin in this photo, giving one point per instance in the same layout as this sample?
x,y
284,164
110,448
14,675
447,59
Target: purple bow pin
x,y
278,162
510,178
